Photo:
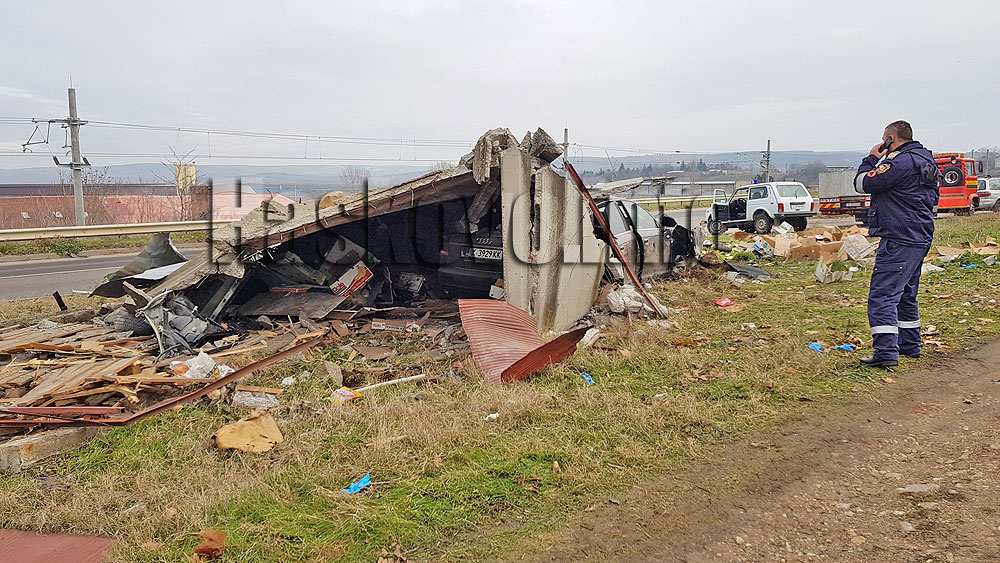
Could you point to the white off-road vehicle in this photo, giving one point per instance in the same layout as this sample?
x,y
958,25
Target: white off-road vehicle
x,y
758,207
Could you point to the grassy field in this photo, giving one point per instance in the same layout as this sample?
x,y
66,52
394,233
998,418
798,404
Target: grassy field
x,y
672,205
24,309
65,246
453,486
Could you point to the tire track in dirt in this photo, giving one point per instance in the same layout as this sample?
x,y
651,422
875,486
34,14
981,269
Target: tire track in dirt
x,y
825,486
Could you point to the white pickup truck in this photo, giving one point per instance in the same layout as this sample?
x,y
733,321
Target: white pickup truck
x,y
758,207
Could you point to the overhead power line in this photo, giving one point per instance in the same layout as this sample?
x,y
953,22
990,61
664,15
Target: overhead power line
x,y
580,148
230,157
286,136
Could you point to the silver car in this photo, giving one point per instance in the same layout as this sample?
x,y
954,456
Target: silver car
x,y
989,194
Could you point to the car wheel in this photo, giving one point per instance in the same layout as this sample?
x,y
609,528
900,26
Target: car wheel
x,y
996,206
714,227
123,321
762,223
798,223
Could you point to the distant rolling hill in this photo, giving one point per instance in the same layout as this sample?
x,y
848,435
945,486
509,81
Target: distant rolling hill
x,y
329,177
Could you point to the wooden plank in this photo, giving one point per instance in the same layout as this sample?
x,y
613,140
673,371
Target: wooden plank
x,y
165,380
40,347
59,382
83,335
255,389
84,393
233,351
34,335
309,336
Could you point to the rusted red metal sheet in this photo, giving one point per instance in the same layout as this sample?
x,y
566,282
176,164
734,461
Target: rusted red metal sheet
x,y
505,345
30,547
169,403
547,354
61,411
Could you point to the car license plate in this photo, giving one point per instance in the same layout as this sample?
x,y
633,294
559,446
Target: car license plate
x,y
854,204
484,254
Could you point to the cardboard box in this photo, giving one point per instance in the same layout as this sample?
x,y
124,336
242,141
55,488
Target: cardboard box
x,y
782,246
856,230
802,249
813,232
831,252
352,280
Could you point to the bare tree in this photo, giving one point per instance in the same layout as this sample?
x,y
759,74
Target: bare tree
x,y
354,177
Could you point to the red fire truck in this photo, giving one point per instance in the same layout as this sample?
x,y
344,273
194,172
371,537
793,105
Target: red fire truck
x,y
958,183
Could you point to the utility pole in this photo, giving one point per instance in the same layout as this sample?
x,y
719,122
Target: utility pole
x,y
565,144
766,162
77,162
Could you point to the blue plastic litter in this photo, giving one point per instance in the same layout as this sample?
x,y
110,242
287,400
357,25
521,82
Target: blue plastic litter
x,y
969,267
586,377
845,347
816,346
359,484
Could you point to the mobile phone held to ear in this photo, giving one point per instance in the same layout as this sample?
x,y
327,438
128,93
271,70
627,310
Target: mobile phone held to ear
x,y
886,145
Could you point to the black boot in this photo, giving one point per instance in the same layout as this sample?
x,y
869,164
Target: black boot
x,y
873,363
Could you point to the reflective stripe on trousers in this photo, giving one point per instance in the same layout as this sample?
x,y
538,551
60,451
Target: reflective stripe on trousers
x,y
892,296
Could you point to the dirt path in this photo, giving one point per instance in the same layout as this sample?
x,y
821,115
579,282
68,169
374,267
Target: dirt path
x,y
826,487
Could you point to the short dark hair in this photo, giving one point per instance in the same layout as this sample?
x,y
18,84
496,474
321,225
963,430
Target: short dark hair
x,y
902,130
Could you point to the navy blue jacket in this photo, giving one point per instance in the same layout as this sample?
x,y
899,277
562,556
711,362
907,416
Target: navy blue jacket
x,y
904,190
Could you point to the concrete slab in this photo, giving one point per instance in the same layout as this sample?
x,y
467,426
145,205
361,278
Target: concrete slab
x,y
552,261
20,453
515,199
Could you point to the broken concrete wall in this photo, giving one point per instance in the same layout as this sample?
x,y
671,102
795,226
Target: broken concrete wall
x,y
552,261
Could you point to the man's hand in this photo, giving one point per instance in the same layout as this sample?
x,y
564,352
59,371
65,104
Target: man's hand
x,y
877,151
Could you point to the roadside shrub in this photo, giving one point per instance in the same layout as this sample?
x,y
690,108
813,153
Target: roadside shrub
x,y
65,247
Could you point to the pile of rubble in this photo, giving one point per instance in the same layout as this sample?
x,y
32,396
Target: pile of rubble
x,y
429,259
439,236
53,368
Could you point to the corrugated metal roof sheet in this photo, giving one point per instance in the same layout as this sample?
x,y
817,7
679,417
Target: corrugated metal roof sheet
x,y
504,342
549,353
29,547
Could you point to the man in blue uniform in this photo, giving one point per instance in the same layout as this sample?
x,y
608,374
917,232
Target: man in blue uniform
x,y
904,191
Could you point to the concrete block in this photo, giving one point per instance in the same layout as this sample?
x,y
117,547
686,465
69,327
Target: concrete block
x,y
515,197
552,262
20,453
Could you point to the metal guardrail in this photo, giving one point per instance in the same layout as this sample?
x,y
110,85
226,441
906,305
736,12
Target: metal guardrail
x,y
678,199
14,235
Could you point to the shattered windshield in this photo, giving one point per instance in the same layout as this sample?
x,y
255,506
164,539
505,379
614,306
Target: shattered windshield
x,y
641,217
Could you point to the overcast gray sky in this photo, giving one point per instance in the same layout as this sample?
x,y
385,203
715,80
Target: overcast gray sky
x,y
692,76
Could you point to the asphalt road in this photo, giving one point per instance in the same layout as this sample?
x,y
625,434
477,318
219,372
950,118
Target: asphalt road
x,y
38,278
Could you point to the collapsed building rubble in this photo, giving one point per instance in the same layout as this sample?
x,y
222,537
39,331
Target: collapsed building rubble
x,y
503,223
501,229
